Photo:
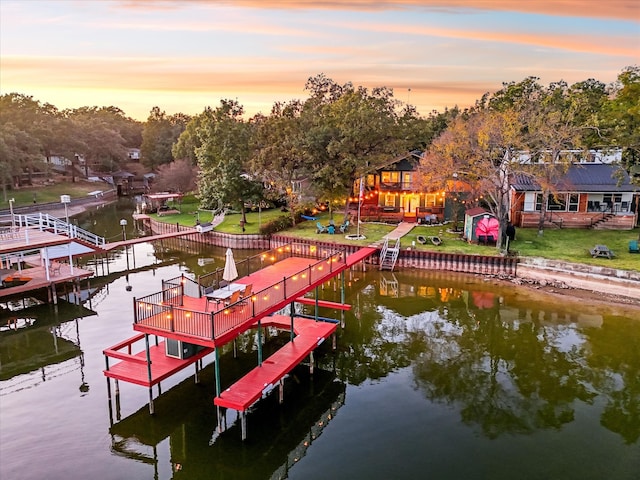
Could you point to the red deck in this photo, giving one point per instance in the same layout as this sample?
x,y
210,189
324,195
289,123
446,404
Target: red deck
x,y
275,286
259,381
133,367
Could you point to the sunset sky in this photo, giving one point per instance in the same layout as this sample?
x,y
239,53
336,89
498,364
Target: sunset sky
x,y
185,55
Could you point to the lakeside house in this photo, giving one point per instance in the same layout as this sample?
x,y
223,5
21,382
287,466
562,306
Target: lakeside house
x,y
392,194
595,192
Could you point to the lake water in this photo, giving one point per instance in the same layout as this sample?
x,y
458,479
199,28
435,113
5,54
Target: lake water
x,y
437,376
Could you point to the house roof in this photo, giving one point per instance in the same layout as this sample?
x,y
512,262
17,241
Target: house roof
x,y
474,212
406,163
594,177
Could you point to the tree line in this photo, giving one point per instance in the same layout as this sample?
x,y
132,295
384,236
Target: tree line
x,y
318,147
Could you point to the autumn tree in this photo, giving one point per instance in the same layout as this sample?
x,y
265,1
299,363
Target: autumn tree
x,y
178,176
478,149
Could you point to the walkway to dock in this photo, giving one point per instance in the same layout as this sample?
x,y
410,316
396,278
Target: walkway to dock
x,y
125,243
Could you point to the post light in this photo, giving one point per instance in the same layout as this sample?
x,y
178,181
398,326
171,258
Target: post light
x,y
123,224
11,200
65,199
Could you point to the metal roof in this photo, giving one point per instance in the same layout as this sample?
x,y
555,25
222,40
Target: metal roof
x,y
590,177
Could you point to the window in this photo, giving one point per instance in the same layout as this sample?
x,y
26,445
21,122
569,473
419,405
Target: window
x,y
538,202
390,200
557,203
390,177
574,202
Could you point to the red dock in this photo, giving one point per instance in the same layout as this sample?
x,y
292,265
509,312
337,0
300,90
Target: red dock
x,y
259,381
182,313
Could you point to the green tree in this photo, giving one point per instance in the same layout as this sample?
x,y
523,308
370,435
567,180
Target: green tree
x,y
223,157
159,134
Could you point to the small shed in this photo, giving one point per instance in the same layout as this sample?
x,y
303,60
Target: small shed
x,y
472,218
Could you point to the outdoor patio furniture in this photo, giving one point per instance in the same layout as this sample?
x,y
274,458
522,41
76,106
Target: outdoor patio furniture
x,y
344,227
633,246
320,228
601,251
54,268
421,239
331,229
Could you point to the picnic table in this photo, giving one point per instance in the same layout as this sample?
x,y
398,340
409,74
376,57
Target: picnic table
x,y
601,251
224,293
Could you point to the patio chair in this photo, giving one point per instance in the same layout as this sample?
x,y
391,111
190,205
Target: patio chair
x,y
54,268
331,229
246,293
344,227
234,298
421,239
320,228
633,246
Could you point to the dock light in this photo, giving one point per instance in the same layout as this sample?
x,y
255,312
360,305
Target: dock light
x,y
11,200
65,199
123,224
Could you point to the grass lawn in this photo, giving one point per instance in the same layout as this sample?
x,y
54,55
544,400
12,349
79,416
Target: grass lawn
x,y
570,245
51,193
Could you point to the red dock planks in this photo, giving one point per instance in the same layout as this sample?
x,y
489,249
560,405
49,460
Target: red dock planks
x,y
323,303
162,367
246,391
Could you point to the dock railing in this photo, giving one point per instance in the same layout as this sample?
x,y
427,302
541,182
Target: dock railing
x,y
164,310
257,262
46,222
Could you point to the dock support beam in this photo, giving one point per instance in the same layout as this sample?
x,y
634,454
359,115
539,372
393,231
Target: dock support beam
x,y
146,345
259,343
243,422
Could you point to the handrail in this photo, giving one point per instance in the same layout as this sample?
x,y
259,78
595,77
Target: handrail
x,y
168,314
44,221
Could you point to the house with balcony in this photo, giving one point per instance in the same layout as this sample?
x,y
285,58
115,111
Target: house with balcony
x,y
392,193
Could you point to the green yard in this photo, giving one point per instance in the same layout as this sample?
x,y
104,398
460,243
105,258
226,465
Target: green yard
x,y
51,193
570,245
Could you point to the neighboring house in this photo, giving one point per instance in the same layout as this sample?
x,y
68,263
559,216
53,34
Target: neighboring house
x,y
598,195
133,154
392,193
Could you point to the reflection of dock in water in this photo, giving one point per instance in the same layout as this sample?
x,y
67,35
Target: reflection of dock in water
x,y
36,344
283,432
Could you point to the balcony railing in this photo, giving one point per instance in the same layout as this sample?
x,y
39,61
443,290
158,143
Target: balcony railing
x,y
166,311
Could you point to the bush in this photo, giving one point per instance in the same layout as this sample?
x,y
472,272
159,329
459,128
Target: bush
x,y
276,225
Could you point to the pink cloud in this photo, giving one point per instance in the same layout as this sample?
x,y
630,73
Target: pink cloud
x,y
618,9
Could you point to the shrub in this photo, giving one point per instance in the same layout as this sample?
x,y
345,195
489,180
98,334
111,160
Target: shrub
x,y
276,225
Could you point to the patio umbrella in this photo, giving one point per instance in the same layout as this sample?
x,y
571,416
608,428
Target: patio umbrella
x,y
230,271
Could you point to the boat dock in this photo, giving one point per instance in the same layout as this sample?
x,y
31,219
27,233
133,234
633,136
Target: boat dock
x,y
182,314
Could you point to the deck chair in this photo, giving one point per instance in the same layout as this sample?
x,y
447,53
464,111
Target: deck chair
x,y
54,268
320,228
344,227
633,246
331,229
246,293
234,298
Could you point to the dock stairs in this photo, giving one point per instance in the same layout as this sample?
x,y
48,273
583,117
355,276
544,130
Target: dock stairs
x,y
389,254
